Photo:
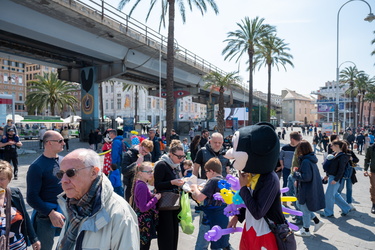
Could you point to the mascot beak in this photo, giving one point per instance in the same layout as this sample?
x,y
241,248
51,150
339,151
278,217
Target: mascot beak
x,y
239,157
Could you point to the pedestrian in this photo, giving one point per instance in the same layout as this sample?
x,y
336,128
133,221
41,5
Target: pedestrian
x,y
320,136
42,190
1,147
40,135
310,193
21,230
186,145
367,143
115,178
98,139
174,135
167,178
325,141
256,153
11,142
10,125
360,140
286,158
133,158
144,204
213,209
191,134
156,153
116,147
89,203
283,133
334,174
369,171
315,141
205,136
107,146
92,140
351,139
194,147
66,135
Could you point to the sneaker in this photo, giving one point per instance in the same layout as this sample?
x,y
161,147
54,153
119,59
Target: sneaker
x,y
322,214
302,233
352,208
318,226
15,178
345,214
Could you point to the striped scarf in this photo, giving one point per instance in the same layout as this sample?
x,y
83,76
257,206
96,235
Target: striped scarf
x,y
78,210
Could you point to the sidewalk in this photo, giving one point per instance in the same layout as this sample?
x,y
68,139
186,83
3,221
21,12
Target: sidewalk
x,y
354,231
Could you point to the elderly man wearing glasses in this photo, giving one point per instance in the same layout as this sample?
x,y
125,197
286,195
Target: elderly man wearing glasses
x,y
43,187
96,217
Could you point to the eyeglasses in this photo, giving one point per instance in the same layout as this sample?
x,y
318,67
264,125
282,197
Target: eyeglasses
x,y
148,172
70,172
207,171
179,156
59,141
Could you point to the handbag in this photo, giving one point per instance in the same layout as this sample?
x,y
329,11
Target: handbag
x,y
4,239
284,235
169,201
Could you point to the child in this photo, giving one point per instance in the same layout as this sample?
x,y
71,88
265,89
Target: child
x,y
144,204
213,209
115,178
188,167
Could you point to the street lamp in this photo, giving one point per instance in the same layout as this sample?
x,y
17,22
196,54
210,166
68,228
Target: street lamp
x,y
370,17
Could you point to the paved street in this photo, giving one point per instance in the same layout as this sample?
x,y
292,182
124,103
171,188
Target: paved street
x,y
354,231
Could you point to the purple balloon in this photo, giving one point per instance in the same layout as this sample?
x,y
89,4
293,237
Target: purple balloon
x,y
292,211
216,232
284,190
218,197
293,227
234,182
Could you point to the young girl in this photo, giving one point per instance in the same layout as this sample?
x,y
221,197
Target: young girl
x,y
144,204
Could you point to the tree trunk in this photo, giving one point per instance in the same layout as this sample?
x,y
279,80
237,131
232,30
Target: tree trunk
x,y
269,94
170,68
353,104
250,106
220,113
369,114
358,111
136,105
363,103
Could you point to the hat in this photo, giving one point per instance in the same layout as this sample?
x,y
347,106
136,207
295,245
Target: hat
x,y
10,129
256,148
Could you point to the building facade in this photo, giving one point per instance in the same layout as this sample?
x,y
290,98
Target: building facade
x,y
298,108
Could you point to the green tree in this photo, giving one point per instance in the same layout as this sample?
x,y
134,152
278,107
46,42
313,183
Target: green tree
x,y
169,6
349,75
272,52
370,98
245,41
215,80
49,92
362,83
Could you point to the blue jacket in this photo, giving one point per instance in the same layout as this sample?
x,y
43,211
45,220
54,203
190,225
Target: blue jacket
x,y
115,178
117,150
310,187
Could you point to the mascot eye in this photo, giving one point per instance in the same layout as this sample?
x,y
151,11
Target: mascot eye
x,y
180,93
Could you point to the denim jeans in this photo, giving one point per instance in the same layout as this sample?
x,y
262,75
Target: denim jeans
x,y
286,173
332,197
314,145
45,231
360,147
307,215
202,243
349,189
292,188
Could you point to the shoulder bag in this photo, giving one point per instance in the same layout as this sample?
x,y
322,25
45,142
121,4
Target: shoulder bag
x,y
284,235
170,200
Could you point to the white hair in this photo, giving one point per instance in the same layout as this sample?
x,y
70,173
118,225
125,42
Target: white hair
x,y
89,158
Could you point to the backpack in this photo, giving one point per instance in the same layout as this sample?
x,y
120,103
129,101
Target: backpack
x,y
162,145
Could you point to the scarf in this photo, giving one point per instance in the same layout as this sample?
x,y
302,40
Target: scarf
x,y
175,166
253,180
78,210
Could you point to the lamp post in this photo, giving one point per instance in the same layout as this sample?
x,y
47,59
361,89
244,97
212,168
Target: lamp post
x,y
370,17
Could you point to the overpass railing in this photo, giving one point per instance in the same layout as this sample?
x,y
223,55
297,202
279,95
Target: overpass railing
x,y
110,16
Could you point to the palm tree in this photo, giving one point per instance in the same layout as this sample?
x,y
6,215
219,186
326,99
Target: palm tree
x,y
246,40
370,98
169,5
50,92
349,75
272,52
215,80
362,82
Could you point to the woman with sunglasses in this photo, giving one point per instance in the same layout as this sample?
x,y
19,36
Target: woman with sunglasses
x,y
166,175
144,204
20,232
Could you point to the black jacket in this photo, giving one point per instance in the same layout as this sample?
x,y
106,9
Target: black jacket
x,y
337,167
26,228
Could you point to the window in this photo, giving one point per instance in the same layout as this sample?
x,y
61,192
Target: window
x,y
149,103
157,104
20,97
5,77
112,88
13,78
106,104
20,80
290,111
118,103
112,104
106,89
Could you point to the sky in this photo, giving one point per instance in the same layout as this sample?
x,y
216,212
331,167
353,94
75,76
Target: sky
x,y
308,26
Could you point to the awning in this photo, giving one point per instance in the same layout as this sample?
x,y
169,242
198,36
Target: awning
x,y
144,122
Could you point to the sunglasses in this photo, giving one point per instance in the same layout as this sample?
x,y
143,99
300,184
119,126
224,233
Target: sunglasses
x,y
70,172
149,172
59,141
179,156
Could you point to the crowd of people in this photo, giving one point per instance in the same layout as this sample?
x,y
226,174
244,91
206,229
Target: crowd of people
x,y
115,205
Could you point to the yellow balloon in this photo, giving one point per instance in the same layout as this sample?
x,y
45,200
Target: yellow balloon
x,y
288,198
105,152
